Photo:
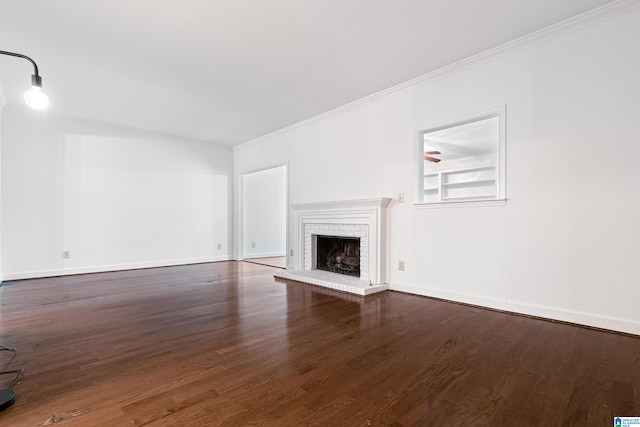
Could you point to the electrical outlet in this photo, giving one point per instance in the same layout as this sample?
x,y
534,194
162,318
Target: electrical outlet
x,y
291,252
401,265
253,244
400,197
219,245
66,254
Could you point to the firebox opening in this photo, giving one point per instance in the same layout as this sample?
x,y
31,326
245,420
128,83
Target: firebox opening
x,y
338,254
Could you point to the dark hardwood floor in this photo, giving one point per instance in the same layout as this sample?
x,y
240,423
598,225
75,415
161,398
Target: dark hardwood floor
x,y
224,344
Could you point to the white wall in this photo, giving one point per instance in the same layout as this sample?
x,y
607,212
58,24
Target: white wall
x,y
114,198
3,102
566,244
264,213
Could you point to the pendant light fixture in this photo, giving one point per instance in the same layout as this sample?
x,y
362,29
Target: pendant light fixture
x,y
34,97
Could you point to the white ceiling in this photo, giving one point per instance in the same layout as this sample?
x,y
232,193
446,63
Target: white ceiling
x,y
462,141
227,71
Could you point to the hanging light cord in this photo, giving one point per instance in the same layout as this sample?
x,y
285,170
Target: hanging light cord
x,y
19,55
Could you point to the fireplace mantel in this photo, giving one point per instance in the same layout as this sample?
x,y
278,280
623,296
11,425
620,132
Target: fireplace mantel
x,y
358,204
364,218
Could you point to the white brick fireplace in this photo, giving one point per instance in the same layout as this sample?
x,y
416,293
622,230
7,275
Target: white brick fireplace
x,y
363,219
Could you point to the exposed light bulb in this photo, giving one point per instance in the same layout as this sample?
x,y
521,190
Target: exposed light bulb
x,y
36,98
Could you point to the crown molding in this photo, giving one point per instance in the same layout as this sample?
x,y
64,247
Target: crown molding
x,y
583,20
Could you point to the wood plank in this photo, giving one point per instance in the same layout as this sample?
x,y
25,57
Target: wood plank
x,y
224,344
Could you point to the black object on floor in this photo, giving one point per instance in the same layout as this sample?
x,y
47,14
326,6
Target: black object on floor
x,y
7,396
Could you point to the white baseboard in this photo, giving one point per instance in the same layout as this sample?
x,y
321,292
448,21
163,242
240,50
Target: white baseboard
x,y
466,298
521,307
572,316
110,267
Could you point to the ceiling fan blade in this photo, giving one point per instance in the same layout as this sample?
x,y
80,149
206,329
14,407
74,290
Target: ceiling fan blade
x,y
432,152
431,159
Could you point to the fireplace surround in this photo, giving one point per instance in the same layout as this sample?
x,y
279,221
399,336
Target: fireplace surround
x,y
365,220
